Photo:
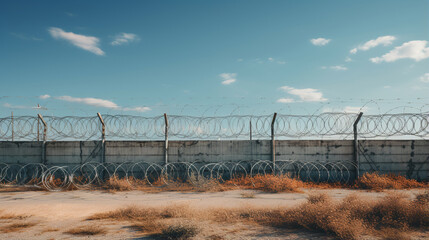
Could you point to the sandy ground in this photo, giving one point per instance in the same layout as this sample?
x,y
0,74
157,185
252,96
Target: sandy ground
x,y
57,212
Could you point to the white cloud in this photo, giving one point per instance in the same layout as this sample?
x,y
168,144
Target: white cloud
x,y
228,78
425,78
336,68
96,102
347,109
387,86
305,94
416,50
383,40
137,109
8,105
46,96
320,41
350,109
273,60
87,43
285,100
124,38
348,59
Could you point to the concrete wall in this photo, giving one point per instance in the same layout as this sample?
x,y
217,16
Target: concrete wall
x,y
406,157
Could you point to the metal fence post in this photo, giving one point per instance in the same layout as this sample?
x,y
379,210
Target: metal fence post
x,y
166,139
273,143
355,144
12,125
45,130
250,127
103,138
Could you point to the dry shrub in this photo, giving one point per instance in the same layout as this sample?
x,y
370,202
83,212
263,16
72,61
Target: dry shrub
x,y
391,212
346,219
49,229
12,216
393,234
179,231
378,182
323,214
117,184
318,198
142,214
16,227
269,183
148,227
422,198
20,188
349,218
86,230
248,194
202,184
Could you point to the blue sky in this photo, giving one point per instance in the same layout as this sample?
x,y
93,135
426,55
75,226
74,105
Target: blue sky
x,y
212,57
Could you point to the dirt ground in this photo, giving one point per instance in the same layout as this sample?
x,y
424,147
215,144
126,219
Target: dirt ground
x,y
54,213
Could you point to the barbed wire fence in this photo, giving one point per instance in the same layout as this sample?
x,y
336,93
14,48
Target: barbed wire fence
x,y
126,127
168,127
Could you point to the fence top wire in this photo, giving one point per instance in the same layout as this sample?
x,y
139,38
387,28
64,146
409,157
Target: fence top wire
x,y
127,127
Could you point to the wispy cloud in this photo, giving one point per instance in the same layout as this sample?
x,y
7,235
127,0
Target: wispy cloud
x,y
285,100
305,94
383,40
38,107
425,78
348,59
336,68
87,43
415,50
136,109
98,102
347,109
273,60
8,105
320,41
46,96
228,78
124,38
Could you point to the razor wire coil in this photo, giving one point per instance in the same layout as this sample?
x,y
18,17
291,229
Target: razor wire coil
x,y
123,127
83,176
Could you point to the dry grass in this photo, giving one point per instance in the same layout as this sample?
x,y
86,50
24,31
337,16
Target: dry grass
x,y
347,219
5,188
179,231
271,183
49,229
12,216
378,182
265,183
134,213
90,230
151,227
16,227
248,194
